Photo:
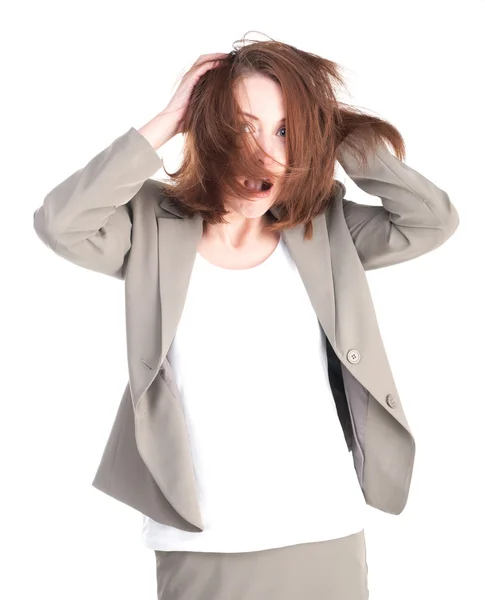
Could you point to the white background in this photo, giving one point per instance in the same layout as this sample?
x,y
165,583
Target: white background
x,y
78,75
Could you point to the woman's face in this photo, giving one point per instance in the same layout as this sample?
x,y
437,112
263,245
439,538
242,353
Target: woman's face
x,y
262,98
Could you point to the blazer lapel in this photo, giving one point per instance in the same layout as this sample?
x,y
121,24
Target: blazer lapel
x,y
178,242
329,267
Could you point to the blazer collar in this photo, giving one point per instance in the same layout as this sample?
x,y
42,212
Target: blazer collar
x,y
179,238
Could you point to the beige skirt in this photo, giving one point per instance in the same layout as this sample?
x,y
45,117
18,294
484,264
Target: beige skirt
x,y
330,570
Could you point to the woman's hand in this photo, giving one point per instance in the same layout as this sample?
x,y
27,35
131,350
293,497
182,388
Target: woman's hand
x,y
177,107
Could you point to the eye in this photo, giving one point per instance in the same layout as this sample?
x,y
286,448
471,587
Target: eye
x,y
249,125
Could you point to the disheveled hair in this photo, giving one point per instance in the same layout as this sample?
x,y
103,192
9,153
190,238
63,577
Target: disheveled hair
x,y
217,149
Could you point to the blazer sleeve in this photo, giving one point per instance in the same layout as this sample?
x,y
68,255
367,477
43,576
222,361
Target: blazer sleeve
x,y
86,218
416,216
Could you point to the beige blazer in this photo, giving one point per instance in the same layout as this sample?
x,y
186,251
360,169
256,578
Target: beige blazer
x,y
110,217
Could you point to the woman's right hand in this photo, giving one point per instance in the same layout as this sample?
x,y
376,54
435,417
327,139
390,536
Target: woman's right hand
x,y
177,107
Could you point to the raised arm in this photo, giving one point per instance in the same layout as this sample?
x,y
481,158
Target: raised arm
x,y
86,218
416,216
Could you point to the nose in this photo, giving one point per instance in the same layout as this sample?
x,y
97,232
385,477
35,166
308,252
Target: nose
x,y
267,160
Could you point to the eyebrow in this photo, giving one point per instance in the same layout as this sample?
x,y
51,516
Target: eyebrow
x,y
283,120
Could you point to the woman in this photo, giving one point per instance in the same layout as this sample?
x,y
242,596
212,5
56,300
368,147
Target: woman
x,y
255,360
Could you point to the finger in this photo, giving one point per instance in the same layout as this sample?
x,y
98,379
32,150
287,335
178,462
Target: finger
x,y
214,56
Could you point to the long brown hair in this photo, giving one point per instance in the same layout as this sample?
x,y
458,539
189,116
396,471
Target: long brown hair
x,y
216,151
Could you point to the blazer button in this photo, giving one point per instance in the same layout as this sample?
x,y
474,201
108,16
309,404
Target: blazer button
x,y
353,356
391,401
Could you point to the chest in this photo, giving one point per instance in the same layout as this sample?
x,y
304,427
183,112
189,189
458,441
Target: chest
x,y
246,257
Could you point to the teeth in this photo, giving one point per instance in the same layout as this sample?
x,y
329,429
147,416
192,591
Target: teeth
x,y
257,184
253,184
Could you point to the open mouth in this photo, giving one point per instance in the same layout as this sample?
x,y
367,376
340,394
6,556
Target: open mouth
x,y
259,186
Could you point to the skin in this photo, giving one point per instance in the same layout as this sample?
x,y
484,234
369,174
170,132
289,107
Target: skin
x,y
262,97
